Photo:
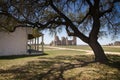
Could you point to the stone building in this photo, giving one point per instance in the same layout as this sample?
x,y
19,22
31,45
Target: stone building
x,y
64,41
117,43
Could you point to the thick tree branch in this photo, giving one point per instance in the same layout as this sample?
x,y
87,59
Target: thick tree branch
x,y
16,19
70,33
36,24
114,1
14,28
109,21
96,21
59,12
84,18
110,9
89,3
106,11
46,25
69,23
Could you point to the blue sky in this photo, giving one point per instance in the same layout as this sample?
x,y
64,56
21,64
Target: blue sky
x,y
103,41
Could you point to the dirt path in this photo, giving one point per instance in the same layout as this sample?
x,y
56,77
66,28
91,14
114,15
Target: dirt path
x,y
87,51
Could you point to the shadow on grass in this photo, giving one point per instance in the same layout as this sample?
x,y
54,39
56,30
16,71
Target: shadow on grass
x,y
47,68
20,56
114,61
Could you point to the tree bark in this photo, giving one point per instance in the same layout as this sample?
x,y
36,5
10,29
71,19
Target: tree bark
x,y
98,52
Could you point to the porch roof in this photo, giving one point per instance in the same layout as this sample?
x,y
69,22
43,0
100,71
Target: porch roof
x,y
31,36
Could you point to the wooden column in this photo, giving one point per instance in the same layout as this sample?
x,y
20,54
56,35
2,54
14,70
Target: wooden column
x,y
31,43
42,43
28,43
35,44
38,43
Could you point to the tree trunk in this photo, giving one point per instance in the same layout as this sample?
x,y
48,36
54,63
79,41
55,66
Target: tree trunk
x,y
98,52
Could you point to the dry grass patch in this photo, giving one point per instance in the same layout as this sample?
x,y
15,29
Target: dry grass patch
x,y
61,65
86,47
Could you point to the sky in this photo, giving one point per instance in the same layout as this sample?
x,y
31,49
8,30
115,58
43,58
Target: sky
x,y
103,41
48,38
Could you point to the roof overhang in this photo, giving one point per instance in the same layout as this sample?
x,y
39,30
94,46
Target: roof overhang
x,y
31,36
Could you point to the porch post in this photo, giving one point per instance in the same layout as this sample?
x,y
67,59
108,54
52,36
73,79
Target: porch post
x,y
38,44
42,43
31,43
35,44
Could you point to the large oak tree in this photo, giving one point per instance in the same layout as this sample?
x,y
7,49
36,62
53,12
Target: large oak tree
x,y
85,19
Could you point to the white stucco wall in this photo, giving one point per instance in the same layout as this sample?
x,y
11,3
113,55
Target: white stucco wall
x,y
13,43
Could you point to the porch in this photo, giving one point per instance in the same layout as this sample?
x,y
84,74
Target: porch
x,y
35,44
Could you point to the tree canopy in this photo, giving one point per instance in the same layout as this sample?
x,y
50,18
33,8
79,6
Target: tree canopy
x,y
41,14
85,19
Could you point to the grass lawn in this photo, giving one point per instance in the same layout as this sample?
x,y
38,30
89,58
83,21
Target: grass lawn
x,y
59,65
85,47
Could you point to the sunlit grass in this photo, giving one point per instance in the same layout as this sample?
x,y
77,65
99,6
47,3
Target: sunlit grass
x,y
111,49
59,65
85,47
